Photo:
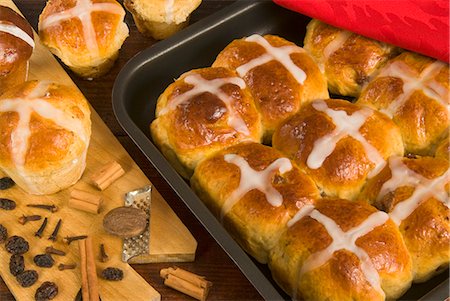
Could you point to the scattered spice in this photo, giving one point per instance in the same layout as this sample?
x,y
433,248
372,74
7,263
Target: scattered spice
x,y
27,278
3,234
7,204
44,260
41,228
17,245
25,219
51,208
6,183
16,264
47,291
51,250
63,266
103,257
55,232
69,239
112,274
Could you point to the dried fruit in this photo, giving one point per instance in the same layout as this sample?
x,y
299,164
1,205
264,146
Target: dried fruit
x,y
27,278
112,274
7,204
44,260
47,291
16,245
16,264
3,234
6,183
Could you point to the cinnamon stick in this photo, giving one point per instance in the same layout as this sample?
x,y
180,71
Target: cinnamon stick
x,y
107,175
186,282
89,284
83,206
195,279
87,197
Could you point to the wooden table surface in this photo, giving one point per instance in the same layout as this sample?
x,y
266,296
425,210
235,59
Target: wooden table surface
x,y
211,261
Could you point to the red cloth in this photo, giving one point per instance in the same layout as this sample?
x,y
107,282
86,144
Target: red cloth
x,y
417,25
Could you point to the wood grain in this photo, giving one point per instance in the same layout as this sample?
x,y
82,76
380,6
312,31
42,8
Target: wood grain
x,y
170,239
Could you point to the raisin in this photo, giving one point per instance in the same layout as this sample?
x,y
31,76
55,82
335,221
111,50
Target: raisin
x,y
6,183
113,274
27,278
7,204
16,245
3,234
47,291
44,260
16,264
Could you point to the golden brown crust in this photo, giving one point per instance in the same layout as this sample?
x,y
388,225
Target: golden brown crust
x,y
423,120
69,40
426,231
352,64
252,221
15,51
52,149
202,121
344,171
341,277
443,149
277,93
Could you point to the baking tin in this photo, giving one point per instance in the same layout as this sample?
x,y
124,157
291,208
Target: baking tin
x,y
146,76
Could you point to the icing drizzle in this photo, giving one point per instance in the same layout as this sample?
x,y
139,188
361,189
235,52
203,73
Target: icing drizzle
x,y
413,82
336,43
281,54
424,189
17,32
82,10
345,125
252,179
201,85
342,241
34,103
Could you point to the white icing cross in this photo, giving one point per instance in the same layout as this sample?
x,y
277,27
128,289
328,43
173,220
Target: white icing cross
x,y
413,82
336,43
252,179
201,85
34,103
345,125
343,241
281,54
169,11
17,32
82,10
424,189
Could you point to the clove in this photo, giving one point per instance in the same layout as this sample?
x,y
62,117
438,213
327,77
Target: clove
x,y
51,250
28,218
55,232
103,256
69,239
41,228
51,208
63,266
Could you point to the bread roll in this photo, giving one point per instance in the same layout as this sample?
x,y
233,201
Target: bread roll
x,y
44,136
341,250
255,191
202,112
443,149
85,34
347,59
339,144
16,47
413,90
415,193
281,76
161,18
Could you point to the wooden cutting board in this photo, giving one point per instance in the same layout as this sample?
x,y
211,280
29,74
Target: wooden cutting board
x,y
170,240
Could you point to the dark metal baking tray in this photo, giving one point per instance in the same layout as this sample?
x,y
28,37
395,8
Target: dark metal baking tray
x,y
146,76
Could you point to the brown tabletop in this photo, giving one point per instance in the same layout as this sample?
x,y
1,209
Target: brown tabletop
x,y
211,261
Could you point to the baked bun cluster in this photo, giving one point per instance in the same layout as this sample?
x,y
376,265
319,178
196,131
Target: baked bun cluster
x,y
161,18
85,34
330,202
16,47
45,130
